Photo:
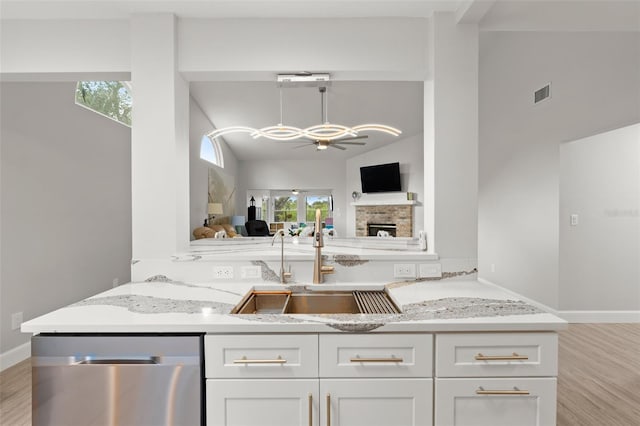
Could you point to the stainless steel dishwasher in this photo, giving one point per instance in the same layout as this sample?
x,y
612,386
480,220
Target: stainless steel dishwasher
x,y
117,380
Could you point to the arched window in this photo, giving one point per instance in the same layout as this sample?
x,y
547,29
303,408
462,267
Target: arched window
x,y
109,98
210,151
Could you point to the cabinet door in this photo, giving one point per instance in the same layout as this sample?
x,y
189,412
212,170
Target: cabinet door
x,y
376,402
262,402
495,402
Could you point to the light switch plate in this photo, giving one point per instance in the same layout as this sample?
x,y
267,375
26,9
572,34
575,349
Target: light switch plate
x,y
430,270
253,271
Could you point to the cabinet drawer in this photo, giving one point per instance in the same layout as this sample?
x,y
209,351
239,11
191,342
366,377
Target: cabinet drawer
x,y
495,402
261,356
496,354
376,355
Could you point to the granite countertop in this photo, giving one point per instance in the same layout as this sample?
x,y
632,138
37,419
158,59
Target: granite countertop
x,y
162,305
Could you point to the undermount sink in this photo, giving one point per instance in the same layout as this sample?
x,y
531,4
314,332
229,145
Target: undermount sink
x,y
316,302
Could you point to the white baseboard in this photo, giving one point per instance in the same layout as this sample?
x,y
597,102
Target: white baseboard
x,y
578,316
14,356
600,316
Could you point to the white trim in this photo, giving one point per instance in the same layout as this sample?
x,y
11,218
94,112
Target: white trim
x,y
600,316
578,316
385,203
15,355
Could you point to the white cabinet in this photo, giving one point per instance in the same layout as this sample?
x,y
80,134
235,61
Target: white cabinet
x,y
376,402
497,379
306,379
369,379
376,355
261,356
269,402
496,354
495,402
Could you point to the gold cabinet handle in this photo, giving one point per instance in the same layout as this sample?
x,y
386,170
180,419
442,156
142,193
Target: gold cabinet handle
x,y
310,409
514,391
391,359
244,360
513,357
328,409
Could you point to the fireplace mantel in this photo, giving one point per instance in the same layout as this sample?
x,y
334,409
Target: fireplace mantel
x,y
385,203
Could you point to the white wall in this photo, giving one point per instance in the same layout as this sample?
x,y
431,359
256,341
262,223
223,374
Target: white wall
x,y
60,46
309,174
595,86
451,139
199,125
257,49
66,202
600,256
406,151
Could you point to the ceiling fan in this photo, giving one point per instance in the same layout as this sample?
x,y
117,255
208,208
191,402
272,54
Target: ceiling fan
x,y
322,144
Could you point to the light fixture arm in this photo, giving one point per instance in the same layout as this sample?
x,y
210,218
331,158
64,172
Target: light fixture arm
x,y
324,131
324,107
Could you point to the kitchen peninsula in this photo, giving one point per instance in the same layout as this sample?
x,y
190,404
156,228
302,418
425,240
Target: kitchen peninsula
x,y
459,350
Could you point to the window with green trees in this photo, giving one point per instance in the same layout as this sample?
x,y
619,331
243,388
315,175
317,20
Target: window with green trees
x,y
285,209
317,202
109,98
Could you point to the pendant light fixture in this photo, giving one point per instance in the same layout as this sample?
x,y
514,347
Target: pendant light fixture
x,y
324,132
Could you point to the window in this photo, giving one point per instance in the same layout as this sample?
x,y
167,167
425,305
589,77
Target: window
x,y
285,209
210,151
314,202
109,98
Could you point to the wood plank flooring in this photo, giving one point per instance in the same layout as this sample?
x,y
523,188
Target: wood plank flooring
x,y
599,375
15,395
598,383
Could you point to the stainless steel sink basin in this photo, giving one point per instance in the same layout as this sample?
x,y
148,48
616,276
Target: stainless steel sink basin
x,y
338,302
316,302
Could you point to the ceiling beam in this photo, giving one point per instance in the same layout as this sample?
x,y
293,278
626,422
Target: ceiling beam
x,y
472,11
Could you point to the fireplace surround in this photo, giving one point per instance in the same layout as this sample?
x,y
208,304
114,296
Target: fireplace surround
x,y
400,215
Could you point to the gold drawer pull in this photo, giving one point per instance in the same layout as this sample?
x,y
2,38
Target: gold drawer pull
x,y
310,409
514,391
513,357
328,409
244,360
392,359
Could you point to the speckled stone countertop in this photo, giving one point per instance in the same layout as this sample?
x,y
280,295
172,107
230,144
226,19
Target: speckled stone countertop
x,y
160,305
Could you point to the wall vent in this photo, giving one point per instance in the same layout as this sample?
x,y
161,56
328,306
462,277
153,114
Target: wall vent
x,y
542,94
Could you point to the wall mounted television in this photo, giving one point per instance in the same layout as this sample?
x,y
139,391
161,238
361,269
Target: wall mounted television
x,y
380,178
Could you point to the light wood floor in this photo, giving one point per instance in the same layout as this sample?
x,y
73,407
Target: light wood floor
x,y
598,382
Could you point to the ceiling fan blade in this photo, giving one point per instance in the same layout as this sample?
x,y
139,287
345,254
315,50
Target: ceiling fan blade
x,y
333,145
349,143
352,138
302,146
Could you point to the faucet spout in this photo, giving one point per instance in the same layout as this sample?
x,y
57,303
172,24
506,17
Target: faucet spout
x,y
318,269
283,275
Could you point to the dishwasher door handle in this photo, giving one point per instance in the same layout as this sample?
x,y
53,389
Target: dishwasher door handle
x,y
119,361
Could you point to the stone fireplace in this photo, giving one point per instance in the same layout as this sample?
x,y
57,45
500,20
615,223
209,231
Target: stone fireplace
x,y
400,215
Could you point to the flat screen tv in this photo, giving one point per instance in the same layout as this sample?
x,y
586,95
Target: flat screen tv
x,y
380,178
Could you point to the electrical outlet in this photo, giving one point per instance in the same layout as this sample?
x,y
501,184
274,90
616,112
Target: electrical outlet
x,y
16,320
115,282
430,270
404,270
253,271
223,272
